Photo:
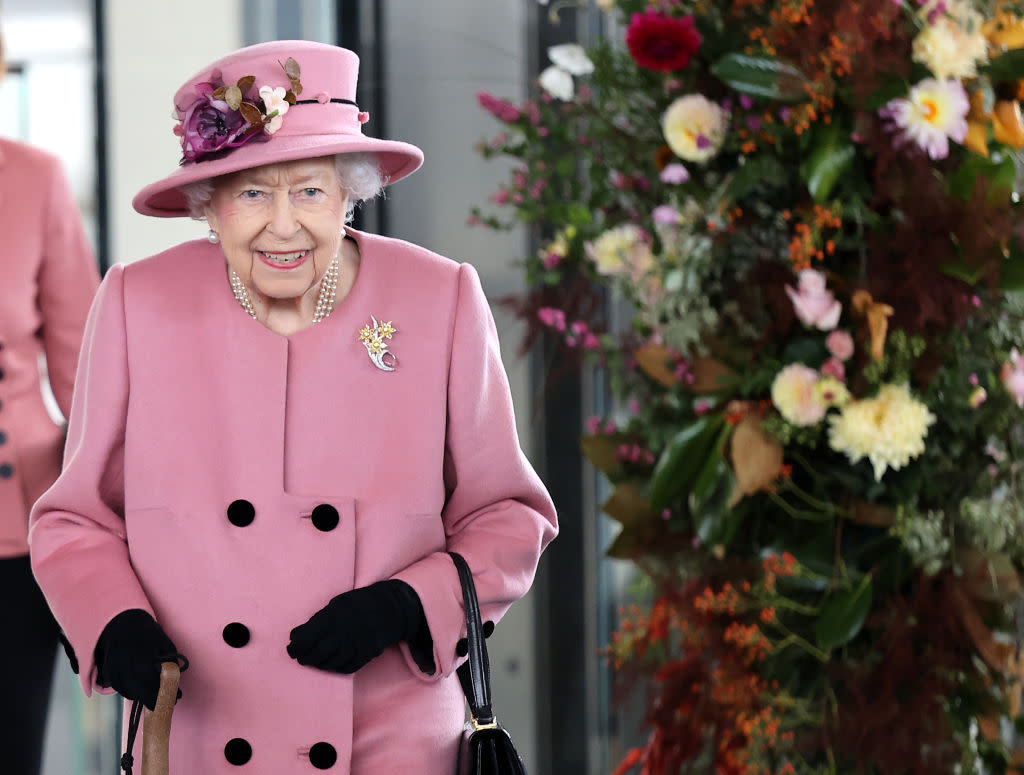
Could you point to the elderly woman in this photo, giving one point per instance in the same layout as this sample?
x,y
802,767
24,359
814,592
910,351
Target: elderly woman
x,y
276,435
48,276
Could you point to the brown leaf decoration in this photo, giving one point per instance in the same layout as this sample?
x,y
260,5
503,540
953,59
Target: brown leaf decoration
x,y
653,359
627,505
756,458
989,576
289,97
251,113
233,97
709,374
296,86
877,315
600,450
245,83
866,513
994,654
218,93
291,69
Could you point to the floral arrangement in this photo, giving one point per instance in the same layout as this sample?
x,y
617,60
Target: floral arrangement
x,y
223,117
789,234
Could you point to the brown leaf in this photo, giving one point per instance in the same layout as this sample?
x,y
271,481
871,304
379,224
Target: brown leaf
x,y
709,374
289,97
218,93
989,576
296,86
994,654
756,458
291,68
627,505
865,513
233,97
600,450
653,359
251,113
245,83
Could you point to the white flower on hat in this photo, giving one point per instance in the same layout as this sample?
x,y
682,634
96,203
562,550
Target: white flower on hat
x,y
568,59
273,100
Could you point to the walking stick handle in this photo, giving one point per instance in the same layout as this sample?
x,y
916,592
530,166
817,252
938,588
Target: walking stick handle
x,y
156,726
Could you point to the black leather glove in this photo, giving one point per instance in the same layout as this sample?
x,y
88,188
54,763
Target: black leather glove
x,y
129,653
358,625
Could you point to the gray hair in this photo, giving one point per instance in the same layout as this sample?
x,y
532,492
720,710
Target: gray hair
x,y
358,174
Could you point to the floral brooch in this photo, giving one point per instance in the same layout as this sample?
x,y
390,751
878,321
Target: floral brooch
x,y
225,116
373,338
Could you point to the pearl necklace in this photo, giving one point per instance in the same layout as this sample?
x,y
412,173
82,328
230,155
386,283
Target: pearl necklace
x,y
324,302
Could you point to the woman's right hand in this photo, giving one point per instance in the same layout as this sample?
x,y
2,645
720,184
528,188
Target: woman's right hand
x,y
129,653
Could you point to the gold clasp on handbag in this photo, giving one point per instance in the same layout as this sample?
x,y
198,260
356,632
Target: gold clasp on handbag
x,y
477,726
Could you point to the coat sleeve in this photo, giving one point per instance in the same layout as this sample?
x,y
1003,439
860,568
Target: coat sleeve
x,y
77,538
68,278
498,514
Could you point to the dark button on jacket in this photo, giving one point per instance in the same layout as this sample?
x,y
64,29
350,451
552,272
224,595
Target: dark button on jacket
x,y
241,513
325,517
236,635
237,751
323,756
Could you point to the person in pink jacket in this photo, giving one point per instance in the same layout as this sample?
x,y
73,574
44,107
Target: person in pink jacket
x,y
48,277
276,436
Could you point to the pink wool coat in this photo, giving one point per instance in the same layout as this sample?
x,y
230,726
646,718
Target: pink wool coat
x,y
48,277
231,481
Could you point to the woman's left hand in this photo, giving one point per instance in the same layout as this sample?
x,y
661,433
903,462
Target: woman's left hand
x,y
357,626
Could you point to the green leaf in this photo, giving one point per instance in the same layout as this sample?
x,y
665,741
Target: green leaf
x,y
1011,273
761,77
681,461
756,171
843,615
830,159
713,521
1008,66
999,169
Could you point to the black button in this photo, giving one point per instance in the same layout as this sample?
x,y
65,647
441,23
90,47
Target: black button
x,y
323,756
1,373
462,647
237,752
488,628
6,470
3,437
325,517
241,513
236,635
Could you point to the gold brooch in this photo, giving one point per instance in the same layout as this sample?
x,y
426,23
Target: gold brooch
x,y
373,338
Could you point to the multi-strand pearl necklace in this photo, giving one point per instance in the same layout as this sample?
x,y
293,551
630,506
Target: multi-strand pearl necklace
x,y
324,302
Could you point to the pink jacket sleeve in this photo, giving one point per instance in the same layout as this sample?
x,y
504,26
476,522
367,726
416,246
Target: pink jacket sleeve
x,y
76,529
498,514
68,279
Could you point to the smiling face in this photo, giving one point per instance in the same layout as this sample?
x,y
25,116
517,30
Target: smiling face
x,y
280,226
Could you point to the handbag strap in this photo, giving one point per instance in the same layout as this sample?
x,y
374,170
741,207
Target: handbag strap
x,y
475,673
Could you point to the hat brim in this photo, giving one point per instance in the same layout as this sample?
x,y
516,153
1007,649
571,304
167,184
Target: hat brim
x,y
164,198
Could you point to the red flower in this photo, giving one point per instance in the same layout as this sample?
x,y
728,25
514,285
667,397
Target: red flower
x,y
660,42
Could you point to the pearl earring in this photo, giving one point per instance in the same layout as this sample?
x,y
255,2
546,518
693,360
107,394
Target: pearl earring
x,y
212,237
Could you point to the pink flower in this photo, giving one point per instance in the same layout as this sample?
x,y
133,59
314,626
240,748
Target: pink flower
x,y
555,318
833,367
1012,375
551,260
499,108
665,214
593,424
840,344
977,398
591,341
674,174
702,406
814,304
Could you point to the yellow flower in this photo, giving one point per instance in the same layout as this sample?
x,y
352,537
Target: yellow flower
x,y
622,250
951,43
694,127
795,395
889,429
831,392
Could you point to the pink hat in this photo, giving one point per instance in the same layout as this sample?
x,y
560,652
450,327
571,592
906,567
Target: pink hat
x,y
272,102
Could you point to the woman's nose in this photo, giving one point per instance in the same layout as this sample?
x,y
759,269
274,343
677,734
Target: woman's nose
x,y
283,220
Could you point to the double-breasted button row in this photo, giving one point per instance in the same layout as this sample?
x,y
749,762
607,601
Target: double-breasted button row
x,y
238,751
325,517
6,470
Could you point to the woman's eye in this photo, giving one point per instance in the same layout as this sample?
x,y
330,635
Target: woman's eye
x,y
251,194
311,191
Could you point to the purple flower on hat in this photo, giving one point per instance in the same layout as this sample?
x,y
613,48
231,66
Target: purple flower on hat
x,y
209,125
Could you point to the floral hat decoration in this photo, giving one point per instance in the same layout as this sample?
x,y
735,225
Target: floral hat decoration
x,y
272,102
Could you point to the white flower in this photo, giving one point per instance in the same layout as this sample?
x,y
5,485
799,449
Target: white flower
x,y
273,100
694,127
568,59
795,396
951,43
934,113
622,250
889,429
572,58
557,82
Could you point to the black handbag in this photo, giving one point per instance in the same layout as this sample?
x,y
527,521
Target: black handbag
x,y
487,749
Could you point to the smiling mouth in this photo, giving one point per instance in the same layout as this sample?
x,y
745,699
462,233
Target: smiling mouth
x,y
284,258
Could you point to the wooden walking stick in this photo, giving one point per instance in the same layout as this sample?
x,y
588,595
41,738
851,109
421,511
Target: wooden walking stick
x,y
156,726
